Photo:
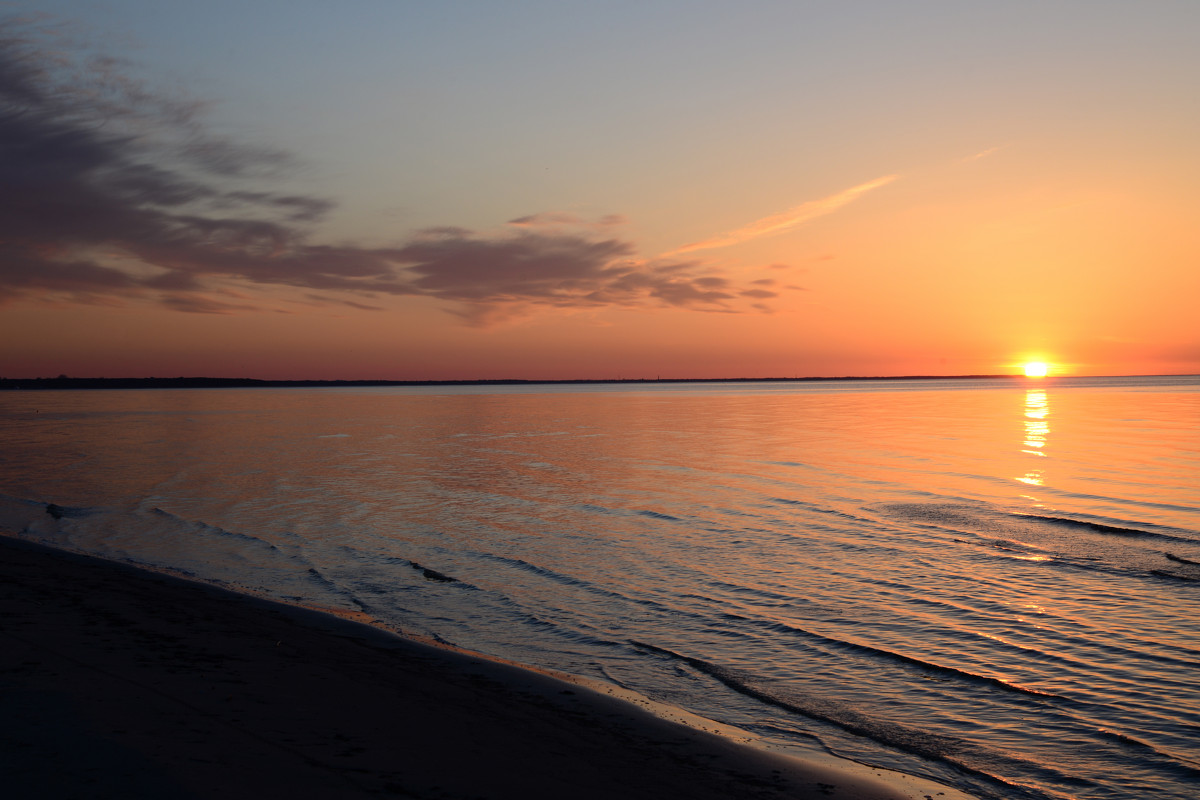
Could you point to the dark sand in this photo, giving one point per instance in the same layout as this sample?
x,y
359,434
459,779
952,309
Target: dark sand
x,y
121,683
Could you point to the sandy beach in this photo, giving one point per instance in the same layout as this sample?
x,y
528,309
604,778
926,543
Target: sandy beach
x,y
117,682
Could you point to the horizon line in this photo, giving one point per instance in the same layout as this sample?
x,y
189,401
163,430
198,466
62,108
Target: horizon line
x,y
187,382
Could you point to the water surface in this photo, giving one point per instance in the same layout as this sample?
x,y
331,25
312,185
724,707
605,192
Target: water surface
x,y
992,583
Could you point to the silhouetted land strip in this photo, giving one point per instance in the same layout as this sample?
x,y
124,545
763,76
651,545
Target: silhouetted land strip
x,y
63,382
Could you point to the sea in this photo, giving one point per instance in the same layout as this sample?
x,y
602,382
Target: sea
x,y
994,583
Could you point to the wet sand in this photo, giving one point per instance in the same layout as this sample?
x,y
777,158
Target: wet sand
x,y
118,682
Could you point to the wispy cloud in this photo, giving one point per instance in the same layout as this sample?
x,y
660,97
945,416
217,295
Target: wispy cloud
x,y
109,193
778,223
982,154
564,220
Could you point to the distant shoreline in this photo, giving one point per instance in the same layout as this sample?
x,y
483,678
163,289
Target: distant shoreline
x,y
62,382
259,383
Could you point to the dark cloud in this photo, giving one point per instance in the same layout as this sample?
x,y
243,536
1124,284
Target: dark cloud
x,y
545,218
324,300
298,208
108,190
563,219
24,271
459,266
222,157
199,304
526,269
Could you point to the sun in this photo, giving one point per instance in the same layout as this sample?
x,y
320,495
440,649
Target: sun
x,y
1036,369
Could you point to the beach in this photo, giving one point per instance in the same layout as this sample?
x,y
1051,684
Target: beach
x,y
119,682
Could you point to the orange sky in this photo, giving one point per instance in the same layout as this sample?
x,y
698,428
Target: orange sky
x,y
562,191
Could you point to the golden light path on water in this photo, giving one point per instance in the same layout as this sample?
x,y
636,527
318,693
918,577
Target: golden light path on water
x,y
1036,430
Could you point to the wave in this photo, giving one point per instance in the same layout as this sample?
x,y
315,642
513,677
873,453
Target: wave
x,y
70,512
568,580
428,573
1176,763
204,527
542,572
929,666
646,602
965,755
517,612
658,515
1162,573
1114,530
622,512
1060,541
54,510
1132,503
988,518
434,575
890,655
334,588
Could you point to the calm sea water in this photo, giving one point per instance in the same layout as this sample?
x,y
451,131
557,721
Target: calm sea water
x,y
992,583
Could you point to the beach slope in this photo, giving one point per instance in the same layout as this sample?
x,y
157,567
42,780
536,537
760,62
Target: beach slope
x,y
117,682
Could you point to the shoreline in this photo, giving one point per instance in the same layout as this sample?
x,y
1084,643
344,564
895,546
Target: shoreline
x,y
122,682
66,383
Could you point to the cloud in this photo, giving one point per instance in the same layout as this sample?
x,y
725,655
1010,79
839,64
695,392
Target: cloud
x,y
198,304
778,223
460,266
110,192
94,166
982,154
525,270
324,301
561,219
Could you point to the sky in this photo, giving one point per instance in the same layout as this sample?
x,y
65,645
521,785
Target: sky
x,y
381,189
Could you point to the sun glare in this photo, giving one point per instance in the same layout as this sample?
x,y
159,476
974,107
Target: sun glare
x,y
1036,369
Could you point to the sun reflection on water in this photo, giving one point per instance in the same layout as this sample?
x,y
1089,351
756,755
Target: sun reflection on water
x,y
1036,433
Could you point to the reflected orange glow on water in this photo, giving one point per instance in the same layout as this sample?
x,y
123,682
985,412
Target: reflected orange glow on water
x,y
1036,433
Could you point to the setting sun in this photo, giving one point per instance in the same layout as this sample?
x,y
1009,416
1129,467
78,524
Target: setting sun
x,y
1036,369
